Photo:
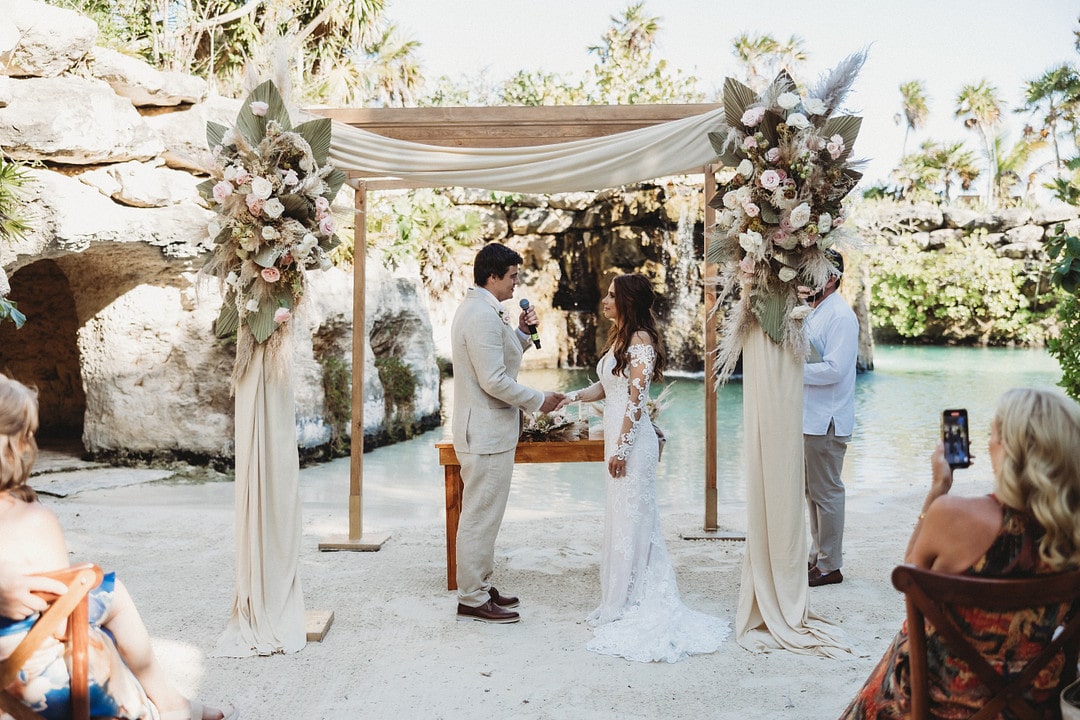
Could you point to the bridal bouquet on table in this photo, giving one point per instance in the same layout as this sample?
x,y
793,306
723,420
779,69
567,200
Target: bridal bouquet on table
x,y
786,155
271,187
557,425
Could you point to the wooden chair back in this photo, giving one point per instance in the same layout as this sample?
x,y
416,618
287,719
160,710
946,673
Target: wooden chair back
x,y
73,605
930,594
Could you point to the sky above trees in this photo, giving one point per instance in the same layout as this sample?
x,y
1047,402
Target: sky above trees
x,y
944,44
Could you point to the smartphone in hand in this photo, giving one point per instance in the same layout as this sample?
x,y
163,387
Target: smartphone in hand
x,y
954,431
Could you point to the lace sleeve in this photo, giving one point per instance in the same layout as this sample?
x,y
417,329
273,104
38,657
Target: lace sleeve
x,y
642,360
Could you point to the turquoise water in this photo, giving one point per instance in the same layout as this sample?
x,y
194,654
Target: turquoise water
x,y
898,408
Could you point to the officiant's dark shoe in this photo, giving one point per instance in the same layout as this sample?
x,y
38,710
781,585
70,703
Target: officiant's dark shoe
x,y
503,601
818,578
488,612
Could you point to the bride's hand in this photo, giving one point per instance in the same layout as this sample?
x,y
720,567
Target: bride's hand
x,y
616,467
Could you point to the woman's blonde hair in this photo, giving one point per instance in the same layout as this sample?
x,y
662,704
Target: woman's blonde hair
x,y
1039,472
18,449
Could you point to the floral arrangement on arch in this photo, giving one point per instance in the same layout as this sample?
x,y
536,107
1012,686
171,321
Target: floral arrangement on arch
x,y
786,156
271,187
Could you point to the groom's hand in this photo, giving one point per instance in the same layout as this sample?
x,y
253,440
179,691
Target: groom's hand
x,y
551,401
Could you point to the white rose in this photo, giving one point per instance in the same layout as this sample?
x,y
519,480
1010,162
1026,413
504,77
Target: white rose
x,y
798,121
787,100
814,106
824,223
273,208
751,241
270,233
743,194
261,188
786,274
746,168
730,199
800,215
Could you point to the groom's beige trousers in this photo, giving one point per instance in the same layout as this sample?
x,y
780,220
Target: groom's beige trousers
x,y
486,481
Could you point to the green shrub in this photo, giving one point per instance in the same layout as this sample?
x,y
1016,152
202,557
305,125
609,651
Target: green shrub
x,y
399,387
963,294
337,390
1064,251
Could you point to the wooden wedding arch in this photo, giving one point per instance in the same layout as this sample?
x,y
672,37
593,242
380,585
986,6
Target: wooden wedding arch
x,y
496,127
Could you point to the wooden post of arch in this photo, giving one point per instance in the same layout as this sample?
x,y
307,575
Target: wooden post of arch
x,y
356,540
711,529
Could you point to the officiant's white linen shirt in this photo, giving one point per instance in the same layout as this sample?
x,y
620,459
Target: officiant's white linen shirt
x,y
829,383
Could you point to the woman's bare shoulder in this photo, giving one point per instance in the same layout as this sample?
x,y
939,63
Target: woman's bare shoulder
x,y
641,337
32,537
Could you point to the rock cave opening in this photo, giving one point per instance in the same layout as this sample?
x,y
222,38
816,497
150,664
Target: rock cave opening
x,y
44,353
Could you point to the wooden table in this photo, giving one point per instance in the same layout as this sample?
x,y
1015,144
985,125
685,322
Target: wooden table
x,y
560,451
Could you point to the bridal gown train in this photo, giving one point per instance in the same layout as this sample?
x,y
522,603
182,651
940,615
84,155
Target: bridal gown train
x,y
641,615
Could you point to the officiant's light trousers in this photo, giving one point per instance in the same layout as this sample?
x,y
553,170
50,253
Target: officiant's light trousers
x,y
825,498
486,482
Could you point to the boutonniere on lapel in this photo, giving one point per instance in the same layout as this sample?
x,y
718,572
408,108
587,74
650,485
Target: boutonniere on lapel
x,y
503,316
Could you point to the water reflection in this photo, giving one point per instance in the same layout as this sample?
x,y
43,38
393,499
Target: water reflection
x,y
898,408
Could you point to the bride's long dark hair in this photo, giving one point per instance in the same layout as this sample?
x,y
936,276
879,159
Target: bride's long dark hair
x,y
634,298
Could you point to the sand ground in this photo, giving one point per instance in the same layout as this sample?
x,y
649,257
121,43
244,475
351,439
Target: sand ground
x,y
395,648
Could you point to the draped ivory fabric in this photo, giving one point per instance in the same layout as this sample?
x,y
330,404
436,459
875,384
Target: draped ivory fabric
x,y
268,608
590,164
773,612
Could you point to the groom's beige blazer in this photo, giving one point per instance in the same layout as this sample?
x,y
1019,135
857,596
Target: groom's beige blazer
x,y
486,353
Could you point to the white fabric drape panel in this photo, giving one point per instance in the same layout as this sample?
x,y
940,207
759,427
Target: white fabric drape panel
x,y
580,165
268,608
773,612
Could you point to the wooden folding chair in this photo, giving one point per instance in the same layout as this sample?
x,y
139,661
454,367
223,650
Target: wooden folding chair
x,y
73,605
929,595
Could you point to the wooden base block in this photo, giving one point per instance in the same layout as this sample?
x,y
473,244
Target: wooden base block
x,y
712,535
317,623
365,543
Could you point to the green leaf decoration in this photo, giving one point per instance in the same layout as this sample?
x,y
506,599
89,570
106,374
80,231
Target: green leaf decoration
x,y
206,188
9,310
737,97
731,159
718,139
215,132
252,126
335,180
261,322
769,214
267,256
228,321
847,127
296,207
768,127
770,310
317,134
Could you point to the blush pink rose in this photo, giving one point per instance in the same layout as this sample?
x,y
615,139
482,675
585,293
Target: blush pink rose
x,y
254,205
751,209
326,225
270,274
222,190
753,116
259,108
770,179
282,315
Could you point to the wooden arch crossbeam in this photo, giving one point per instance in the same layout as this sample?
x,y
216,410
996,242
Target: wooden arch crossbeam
x,y
489,127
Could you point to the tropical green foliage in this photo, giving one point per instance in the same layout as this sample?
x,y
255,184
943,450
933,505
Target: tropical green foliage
x,y
13,223
1064,252
399,386
423,226
916,108
964,294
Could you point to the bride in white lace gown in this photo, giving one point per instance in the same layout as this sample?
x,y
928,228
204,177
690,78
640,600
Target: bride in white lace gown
x,y
641,615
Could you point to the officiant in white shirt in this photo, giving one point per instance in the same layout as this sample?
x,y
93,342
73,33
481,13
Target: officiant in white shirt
x,y
828,420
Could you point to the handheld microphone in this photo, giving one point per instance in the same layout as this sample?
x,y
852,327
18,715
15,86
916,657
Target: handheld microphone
x,y
533,333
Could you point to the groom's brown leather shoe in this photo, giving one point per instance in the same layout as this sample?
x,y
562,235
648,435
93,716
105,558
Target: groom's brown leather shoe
x,y
503,601
817,578
488,612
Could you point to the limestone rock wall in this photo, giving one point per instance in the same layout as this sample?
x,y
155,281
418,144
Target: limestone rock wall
x,y
118,339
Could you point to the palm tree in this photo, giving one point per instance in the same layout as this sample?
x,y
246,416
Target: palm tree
x,y
632,35
1055,93
1012,163
916,109
980,107
392,70
763,56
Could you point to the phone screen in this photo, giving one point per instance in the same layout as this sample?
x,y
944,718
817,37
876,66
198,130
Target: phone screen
x,y
954,431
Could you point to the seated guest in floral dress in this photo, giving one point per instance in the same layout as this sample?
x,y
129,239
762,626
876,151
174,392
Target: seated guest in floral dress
x,y
126,680
1027,526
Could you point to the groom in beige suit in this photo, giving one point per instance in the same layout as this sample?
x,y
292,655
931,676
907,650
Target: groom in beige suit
x,y
486,423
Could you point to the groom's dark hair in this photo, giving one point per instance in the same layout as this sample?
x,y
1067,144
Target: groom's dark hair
x,y
493,259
